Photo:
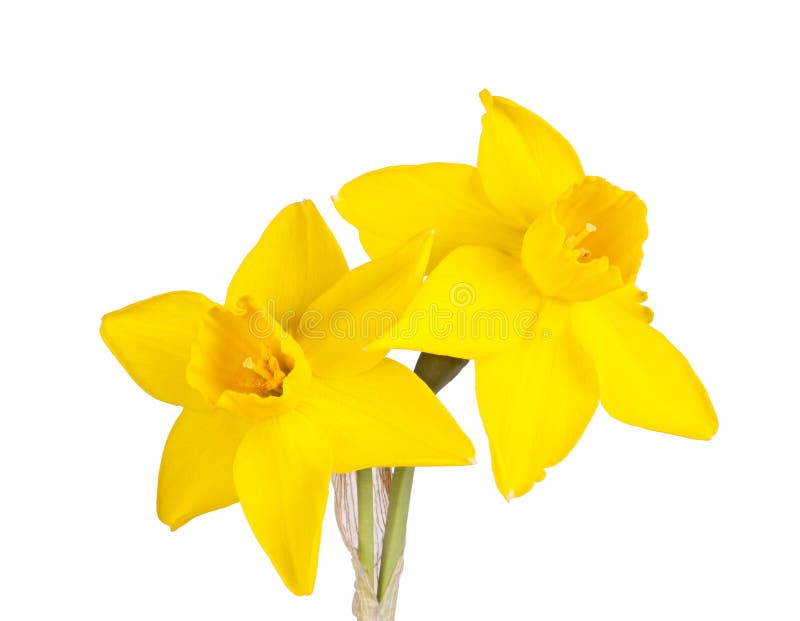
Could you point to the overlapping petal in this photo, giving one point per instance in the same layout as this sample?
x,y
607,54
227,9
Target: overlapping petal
x,y
535,401
295,260
152,340
385,416
524,163
196,474
282,472
644,380
390,205
360,308
477,301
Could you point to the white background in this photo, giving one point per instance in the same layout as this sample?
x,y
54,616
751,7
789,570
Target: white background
x,y
145,145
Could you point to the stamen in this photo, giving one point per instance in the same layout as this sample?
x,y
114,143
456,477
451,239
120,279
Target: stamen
x,y
574,240
269,375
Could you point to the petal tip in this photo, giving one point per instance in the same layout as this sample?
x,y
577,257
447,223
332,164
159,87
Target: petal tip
x,y
172,522
309,204
299,589
303,206
106,326
486,99
423,238
711,429
104,329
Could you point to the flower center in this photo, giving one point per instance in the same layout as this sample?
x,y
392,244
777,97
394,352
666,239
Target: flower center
x,y
265,376
242,361
588,243
574,240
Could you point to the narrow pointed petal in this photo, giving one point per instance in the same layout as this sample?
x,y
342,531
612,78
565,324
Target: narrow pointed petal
x,y
524,163
196,474
644,380
386,416
535,402
295,260
360,308
390,205
476,302
282,471
152,340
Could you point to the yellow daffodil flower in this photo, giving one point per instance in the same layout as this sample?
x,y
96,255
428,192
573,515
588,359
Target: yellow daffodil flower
x,y
533,270
277,390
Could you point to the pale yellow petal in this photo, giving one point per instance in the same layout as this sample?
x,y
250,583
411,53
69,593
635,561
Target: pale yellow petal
x,y
644,380
152,339
360,308
196,474
535,401
390,205
386,416
524,163
282,472
477,301
295,260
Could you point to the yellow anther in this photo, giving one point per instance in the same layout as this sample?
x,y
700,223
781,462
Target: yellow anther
x,y
270,374
574,240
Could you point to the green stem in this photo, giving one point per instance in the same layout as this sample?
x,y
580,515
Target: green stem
x,y
394,541
366,528
436,372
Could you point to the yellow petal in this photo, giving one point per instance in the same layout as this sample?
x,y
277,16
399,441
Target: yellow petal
x,y
477,301
535,401
390,205
295,260
644,380
386,416
361,307
196,473
378,246
524,163
152,339
282,471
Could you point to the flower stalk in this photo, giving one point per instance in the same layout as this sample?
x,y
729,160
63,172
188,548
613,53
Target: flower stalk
x,y
394,541
436,371
366,523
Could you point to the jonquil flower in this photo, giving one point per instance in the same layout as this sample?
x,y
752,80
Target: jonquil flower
x,y
533,271
277,390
